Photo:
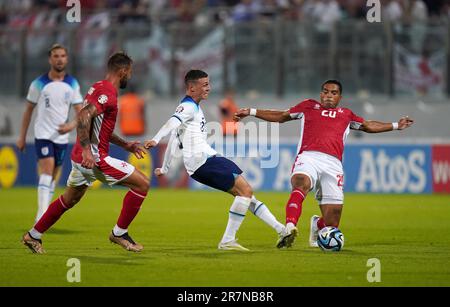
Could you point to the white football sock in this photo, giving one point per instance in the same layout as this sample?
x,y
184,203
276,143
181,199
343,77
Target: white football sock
x,y
117,231
235,217
52,190
262,212
35,234
44,187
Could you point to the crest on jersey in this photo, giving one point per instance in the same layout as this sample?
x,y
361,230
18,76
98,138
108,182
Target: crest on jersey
x,y
102,99
340,110
317,106
179,109
44,151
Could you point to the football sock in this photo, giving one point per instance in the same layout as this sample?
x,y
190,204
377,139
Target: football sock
x,y
53,213
52,190
117,231
44,191
235,217
262,212
294,206
321,223
131,204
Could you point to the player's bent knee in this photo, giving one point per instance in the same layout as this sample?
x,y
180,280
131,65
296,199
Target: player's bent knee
x,y
301,182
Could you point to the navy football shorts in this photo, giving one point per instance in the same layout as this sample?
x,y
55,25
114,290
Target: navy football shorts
x,y
218,173
48,149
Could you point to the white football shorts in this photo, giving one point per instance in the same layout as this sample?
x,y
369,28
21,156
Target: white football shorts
x,y
108,170
326,175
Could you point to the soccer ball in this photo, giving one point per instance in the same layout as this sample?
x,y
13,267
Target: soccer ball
x,y
330,239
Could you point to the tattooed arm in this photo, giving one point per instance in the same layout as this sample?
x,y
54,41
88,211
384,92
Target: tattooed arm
x,y
84,121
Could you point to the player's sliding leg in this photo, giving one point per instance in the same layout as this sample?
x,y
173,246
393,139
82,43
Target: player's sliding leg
x,y
301,184
331,216
139,185
260,210
243,195
46,167
71,196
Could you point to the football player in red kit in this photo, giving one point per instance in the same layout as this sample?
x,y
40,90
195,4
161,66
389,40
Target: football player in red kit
x,y
91,160
323,129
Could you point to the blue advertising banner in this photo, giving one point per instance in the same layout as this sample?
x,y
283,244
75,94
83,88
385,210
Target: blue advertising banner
x,y
368,168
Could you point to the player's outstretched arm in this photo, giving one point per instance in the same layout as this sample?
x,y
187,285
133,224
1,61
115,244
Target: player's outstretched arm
x,y
134,147
372,126
168,127
25,124
276,116
171,151
84,120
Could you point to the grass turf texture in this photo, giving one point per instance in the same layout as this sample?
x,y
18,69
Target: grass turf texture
x,y
180,231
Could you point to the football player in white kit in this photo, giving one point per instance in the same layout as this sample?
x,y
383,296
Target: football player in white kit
x,y
188,133
52,94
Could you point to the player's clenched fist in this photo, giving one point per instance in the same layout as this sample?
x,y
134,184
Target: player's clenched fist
x,y
158,172
150,144
88,158
405,122
241,114
136,148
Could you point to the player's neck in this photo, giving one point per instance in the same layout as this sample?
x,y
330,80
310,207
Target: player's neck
x,y
196,99
114,80
56,75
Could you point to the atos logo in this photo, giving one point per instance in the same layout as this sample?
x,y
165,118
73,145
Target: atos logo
x,y
331,114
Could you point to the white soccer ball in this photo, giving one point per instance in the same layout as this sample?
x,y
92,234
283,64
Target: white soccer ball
x,y
330,239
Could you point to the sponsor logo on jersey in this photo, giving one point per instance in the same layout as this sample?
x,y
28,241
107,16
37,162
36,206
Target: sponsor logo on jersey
x,y
102,99
330,114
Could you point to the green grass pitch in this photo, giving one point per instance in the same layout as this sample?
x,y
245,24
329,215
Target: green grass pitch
x,y
180,230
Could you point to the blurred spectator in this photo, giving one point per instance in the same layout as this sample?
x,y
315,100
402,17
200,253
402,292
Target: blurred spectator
x,y
134,13
324,12
246,10
227,108
415,11
392,10
132,114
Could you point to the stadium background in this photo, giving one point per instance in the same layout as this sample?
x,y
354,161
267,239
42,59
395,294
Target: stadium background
x,y
271,54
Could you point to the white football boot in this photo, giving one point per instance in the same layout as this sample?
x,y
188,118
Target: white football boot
x,y
313,231
287,236
232,245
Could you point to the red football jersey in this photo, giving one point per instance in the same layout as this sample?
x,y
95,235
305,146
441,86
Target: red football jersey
x,y
103,95
322,129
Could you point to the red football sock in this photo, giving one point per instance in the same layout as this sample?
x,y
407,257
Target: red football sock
x,y
131,205
294,206
52,215
321,223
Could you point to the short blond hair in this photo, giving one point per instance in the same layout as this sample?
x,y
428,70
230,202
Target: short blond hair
x,y
56,46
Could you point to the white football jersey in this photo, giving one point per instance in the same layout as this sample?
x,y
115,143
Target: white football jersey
x,y
192,135
53,100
